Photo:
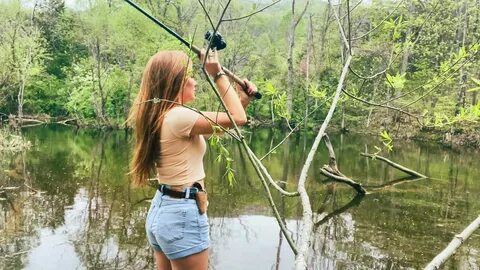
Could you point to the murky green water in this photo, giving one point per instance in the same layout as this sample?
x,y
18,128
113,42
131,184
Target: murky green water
x,y
86,216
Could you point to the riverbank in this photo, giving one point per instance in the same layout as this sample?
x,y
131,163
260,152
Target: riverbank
x,y
458,135
455,136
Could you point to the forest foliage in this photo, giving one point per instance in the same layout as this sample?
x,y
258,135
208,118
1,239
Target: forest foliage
x,y
85,62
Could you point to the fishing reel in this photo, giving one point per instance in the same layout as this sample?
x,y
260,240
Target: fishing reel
x,y
216,41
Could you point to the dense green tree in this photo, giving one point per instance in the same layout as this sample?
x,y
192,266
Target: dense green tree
x,y
86,63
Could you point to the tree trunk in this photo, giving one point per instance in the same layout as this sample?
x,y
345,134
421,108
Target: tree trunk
x,y
99,96
23,70
307,73
322,43
127,104
406,51
462,88
291,44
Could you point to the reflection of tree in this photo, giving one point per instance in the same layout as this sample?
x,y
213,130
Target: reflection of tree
x,y
281,207
57,167
402,180
354,202
90,166
105,240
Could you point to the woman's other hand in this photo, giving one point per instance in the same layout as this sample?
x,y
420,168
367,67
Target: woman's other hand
x,y
212,65
246,95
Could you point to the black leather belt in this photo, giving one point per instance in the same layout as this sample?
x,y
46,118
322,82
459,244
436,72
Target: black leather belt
x,y
192,192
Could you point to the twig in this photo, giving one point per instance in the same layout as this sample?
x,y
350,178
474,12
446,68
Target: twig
x,y
437,75
206,14
438,84
156,100
453,246
380,105
280,222
293,129
254,158
393,183
372,76
251,14
342,32
395,165
354,7
379,24
31,188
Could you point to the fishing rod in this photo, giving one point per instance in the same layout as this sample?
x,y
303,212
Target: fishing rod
x,y
195,49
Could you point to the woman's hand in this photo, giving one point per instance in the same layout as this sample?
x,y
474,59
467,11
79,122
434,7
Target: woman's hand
x,y
246,95
212,65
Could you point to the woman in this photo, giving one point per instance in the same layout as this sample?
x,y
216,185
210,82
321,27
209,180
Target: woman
x,y
169,141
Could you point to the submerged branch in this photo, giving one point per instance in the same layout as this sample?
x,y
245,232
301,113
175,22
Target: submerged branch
x,y
395,165
453,246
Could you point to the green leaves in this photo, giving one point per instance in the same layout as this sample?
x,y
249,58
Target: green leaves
x,y
224,156
317,93
396,81
386,140
278,99
477,88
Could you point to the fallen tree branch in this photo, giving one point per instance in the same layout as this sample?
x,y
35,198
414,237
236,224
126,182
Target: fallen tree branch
x,y
343,179
395,165
453,246
65,122
331,170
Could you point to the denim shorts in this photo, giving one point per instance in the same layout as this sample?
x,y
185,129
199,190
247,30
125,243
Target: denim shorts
x,y
175,227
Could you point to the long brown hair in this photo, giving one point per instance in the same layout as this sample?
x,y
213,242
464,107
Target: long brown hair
x,y
163,78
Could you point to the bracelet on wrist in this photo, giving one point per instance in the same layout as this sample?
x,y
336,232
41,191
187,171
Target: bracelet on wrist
x,y
218,75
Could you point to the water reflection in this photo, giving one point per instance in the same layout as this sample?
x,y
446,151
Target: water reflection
x,y
86,216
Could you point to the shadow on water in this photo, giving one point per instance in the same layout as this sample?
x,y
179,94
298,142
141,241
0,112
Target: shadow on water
x,y
87,216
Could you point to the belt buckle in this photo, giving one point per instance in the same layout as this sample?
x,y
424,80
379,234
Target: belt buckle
x,y
190,190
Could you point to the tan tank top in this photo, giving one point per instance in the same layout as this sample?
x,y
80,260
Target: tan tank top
x,y
181,155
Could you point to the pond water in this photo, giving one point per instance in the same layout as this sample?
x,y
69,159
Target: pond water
x,y
87,216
